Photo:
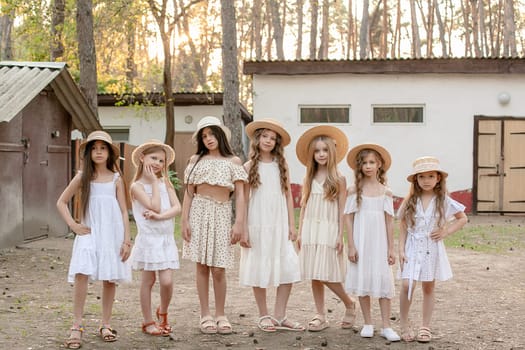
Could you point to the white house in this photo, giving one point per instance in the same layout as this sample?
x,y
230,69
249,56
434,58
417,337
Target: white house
x,y
468,112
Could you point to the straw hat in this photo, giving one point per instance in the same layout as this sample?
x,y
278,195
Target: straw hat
x,y
352,155
424,164
270,124
98,135
137,152
210,121
339,137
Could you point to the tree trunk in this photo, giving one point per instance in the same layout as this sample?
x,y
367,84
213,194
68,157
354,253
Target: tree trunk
x,y
351,41
441,28
416,43
395,50
475,27
86,53
257,28
278,35
313,28
131,70
269,38
483,31
385,30
57,24
363,34
300,16
509,31
325,35
6,25
430,28
465,8
230,76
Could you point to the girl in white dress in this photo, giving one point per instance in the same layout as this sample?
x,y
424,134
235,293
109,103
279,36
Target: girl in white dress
x,y
321,256
213,175
369,221
268,258
102,243
425,215
155,204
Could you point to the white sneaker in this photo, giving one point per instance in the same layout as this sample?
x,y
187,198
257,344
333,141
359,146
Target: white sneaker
x,y
367,331
389,334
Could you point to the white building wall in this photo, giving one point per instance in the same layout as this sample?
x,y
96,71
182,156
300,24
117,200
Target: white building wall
x,y
450,100
146,123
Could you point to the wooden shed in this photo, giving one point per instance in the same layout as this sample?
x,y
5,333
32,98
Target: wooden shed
x,y
40,105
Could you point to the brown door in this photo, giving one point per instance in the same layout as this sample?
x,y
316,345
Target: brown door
x,y
184,149
499,184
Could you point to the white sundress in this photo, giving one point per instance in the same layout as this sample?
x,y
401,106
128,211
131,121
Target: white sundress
x,y
272,259
371,275
427,259
97,254
155,248
318,257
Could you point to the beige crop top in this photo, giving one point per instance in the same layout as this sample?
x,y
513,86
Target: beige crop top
x,y
215,171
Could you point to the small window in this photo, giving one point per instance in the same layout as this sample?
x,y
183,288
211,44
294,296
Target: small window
x,y
324,114
118,134
398,114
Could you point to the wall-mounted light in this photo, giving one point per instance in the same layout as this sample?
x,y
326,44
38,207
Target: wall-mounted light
x,y
55,134
503,98
188,119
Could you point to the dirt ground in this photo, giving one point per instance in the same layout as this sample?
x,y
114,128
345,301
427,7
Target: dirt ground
x,y
482,307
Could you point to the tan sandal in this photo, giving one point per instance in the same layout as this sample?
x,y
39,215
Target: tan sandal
x,y
163,322
207,325
107,334
223,325
349,318
269,326
287,325
74,342
318,323
424,335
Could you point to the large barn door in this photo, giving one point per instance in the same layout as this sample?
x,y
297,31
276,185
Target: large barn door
x,y
500,165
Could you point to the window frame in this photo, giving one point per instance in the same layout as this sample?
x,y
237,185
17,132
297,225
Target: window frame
x,y
334,106
399,105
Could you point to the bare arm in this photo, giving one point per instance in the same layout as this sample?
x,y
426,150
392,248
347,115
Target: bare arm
x,y
63,208
402,241
459,222
353,255
175,207
125,248
185,215
341,200
292,233
389,220
240,213
245,240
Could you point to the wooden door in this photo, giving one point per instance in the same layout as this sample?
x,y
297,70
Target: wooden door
x,y
500,165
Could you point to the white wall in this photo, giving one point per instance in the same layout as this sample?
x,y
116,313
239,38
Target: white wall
x,y
451,101
145,123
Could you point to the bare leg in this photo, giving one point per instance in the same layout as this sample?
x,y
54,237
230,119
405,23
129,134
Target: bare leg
x,y
404,306
148,280
339,290
108,297
219,288
79,298
364,302
281,300
166,289
385,307
203,288
318,293
260,299
428,302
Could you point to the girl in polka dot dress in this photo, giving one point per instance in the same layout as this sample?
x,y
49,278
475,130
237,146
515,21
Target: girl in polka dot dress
x,y
422,256
212,175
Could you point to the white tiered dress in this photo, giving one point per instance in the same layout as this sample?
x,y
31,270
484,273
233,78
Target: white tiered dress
x,y
272,259
371,275
318,256
155,248
97,254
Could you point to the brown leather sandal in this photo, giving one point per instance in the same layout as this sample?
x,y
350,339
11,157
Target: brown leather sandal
x,y
163,319
157,331
107,334
74,342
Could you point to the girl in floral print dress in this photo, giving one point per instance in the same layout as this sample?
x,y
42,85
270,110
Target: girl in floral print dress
x,y
212,175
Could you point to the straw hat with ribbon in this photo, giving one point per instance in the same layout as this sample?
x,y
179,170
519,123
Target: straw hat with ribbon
x,y
137,152
352,155
424,164
339,137
101,136
211,121
270,124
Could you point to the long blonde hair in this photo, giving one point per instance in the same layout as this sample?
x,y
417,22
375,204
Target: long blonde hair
x,y
358,173
409,205
331,184
277,153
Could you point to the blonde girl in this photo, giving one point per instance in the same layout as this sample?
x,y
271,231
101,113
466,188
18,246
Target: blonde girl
x,y
321,257
369,214
154,204
212,175
102,243
424,223
268,258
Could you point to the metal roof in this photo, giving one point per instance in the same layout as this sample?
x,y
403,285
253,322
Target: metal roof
x,y
21,82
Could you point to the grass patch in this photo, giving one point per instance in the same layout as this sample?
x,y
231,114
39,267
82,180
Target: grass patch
x,y
488,238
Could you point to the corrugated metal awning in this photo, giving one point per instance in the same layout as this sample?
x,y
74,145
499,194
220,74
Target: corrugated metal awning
x,y
20,82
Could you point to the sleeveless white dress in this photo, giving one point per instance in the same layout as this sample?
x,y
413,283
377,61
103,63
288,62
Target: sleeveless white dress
x,y
97,254
155,248
371,275
272,259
